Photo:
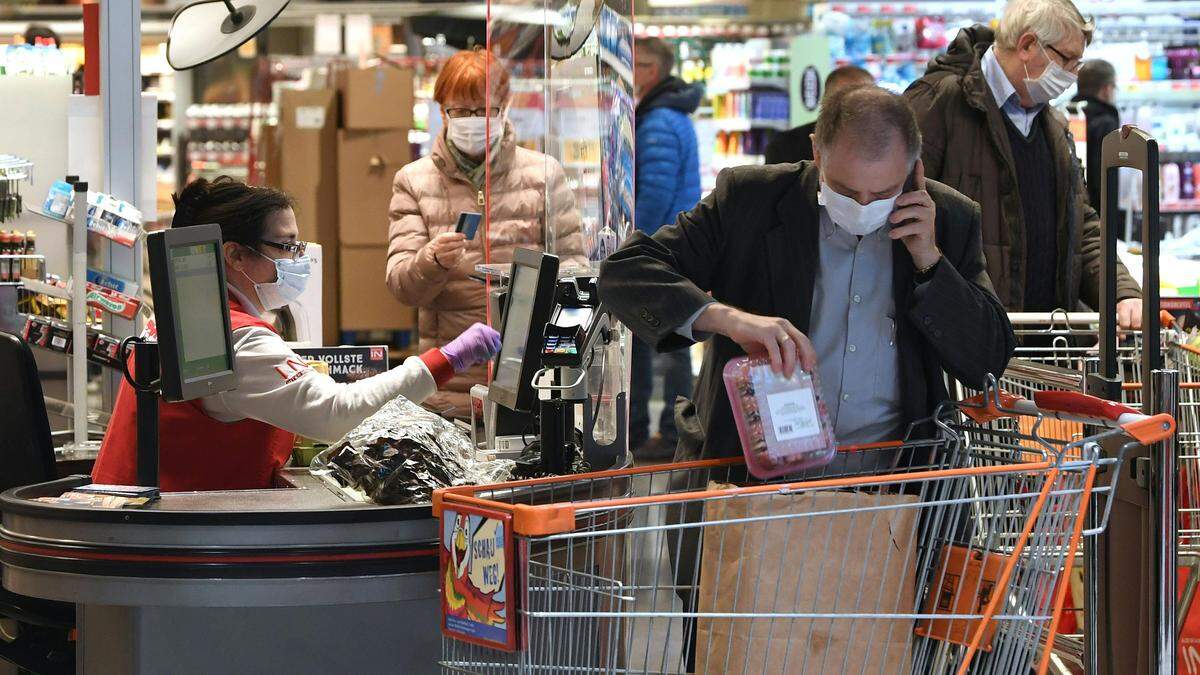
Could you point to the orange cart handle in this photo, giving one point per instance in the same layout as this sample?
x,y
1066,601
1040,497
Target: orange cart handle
x,y
1073,405
1076,403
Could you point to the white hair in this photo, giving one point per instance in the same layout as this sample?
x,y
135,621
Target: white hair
x,y
1050,20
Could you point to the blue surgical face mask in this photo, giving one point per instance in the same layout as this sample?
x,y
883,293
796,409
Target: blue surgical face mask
x,y
291,277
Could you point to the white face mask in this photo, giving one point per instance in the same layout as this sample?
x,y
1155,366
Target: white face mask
x,y
1053,82
291,278
471,135
857,219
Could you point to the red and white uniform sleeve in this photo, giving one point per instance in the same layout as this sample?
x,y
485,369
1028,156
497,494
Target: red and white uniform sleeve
x,y
276,386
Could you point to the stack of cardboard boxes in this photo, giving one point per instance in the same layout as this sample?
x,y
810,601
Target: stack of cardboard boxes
x,y
338,150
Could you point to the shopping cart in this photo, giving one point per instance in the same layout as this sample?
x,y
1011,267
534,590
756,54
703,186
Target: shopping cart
x,y
1185,358
926,556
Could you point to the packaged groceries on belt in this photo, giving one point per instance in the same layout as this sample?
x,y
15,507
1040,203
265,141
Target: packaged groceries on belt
x,y
402,453
782,421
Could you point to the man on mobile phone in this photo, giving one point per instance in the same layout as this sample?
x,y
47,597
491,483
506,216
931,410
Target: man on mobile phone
x,y
991,131
829,264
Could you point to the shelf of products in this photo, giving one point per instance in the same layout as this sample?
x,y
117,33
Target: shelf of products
x,y
221,139
1150,43
747,87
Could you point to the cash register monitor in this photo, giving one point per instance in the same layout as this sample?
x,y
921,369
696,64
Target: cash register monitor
x,y
530,300
187,274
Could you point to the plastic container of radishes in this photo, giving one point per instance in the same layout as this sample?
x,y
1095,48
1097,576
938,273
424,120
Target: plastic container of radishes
x,y
782,422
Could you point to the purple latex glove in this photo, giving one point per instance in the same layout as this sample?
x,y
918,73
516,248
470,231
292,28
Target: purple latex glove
x,y
477,344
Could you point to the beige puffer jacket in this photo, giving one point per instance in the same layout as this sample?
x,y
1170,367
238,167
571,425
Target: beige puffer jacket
x,y
427,196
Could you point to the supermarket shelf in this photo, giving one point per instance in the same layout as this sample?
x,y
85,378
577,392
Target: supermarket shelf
x,y
718,88
898,57
716,27
1191,206
983,8
743,124
166,124
47,216
45,289
1160,91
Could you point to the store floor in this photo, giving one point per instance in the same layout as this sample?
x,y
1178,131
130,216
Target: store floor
x,y
655,645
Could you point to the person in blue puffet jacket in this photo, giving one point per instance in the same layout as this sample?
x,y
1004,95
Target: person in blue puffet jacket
x,y
668,182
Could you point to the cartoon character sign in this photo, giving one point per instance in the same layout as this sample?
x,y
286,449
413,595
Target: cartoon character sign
x,y
477,598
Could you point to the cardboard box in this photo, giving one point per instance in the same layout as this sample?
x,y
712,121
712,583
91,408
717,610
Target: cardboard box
x,y
367,163
376,98
367,302
307,170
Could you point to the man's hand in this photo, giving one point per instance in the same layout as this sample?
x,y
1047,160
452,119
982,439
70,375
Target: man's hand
x,y
1129,314
916,210
446,250
781,341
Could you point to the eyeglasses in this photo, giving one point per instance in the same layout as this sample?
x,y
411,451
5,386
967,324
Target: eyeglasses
x,y
296,248
455,113
1067,61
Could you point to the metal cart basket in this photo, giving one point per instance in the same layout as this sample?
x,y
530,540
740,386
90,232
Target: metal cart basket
x,y
926,556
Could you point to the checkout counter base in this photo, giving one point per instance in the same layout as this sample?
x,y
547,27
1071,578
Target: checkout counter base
x,y
299,640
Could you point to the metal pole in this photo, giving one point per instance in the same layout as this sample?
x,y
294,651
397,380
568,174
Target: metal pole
x,y
1091,599
146,371
1163,519
78,307
120,94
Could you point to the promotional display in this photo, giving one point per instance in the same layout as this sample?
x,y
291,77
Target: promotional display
x,y
349,364
478,600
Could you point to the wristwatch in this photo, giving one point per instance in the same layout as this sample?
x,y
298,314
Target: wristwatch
x,y
925,273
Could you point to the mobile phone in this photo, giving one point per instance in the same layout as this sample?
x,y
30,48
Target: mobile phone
x,y
910,184
468,223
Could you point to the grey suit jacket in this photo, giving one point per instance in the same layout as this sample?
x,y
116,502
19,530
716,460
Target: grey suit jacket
x,y
752,244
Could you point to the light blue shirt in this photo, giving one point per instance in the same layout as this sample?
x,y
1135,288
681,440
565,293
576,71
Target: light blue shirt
x,y
853,330
1006,95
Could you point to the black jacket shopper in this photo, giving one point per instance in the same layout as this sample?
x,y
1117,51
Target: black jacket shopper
x,y
1102,119
793,145
752,244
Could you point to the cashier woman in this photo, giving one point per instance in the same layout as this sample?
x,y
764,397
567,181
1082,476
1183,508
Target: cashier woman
x,y
237,439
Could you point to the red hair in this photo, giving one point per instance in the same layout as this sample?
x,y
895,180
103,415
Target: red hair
x,y
465,77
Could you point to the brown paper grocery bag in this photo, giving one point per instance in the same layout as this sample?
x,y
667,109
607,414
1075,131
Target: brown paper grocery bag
x,y
856,562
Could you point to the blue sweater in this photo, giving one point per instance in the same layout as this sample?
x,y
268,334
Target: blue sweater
x,y
668,163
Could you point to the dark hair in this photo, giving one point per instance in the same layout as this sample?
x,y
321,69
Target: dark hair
x,y
847,75
241,210
1096,75
37,30
660,50
874,117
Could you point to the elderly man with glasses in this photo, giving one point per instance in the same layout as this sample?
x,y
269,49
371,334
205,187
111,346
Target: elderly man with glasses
x,y
990,133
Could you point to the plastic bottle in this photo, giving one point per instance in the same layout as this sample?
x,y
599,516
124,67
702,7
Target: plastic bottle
x,y
1170,183
31,267
1141,62
1187,188
5,261
1159,67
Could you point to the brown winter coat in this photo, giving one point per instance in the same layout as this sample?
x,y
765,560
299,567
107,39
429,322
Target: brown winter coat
x,y
965,145
427,196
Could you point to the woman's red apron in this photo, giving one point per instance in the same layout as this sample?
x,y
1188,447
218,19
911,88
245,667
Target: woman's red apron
x,y
196,452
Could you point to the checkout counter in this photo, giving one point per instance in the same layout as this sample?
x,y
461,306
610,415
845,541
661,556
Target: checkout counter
x,y
303,577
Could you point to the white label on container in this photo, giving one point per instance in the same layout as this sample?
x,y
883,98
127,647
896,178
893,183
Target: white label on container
x,y
794,414
310,117
58,342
